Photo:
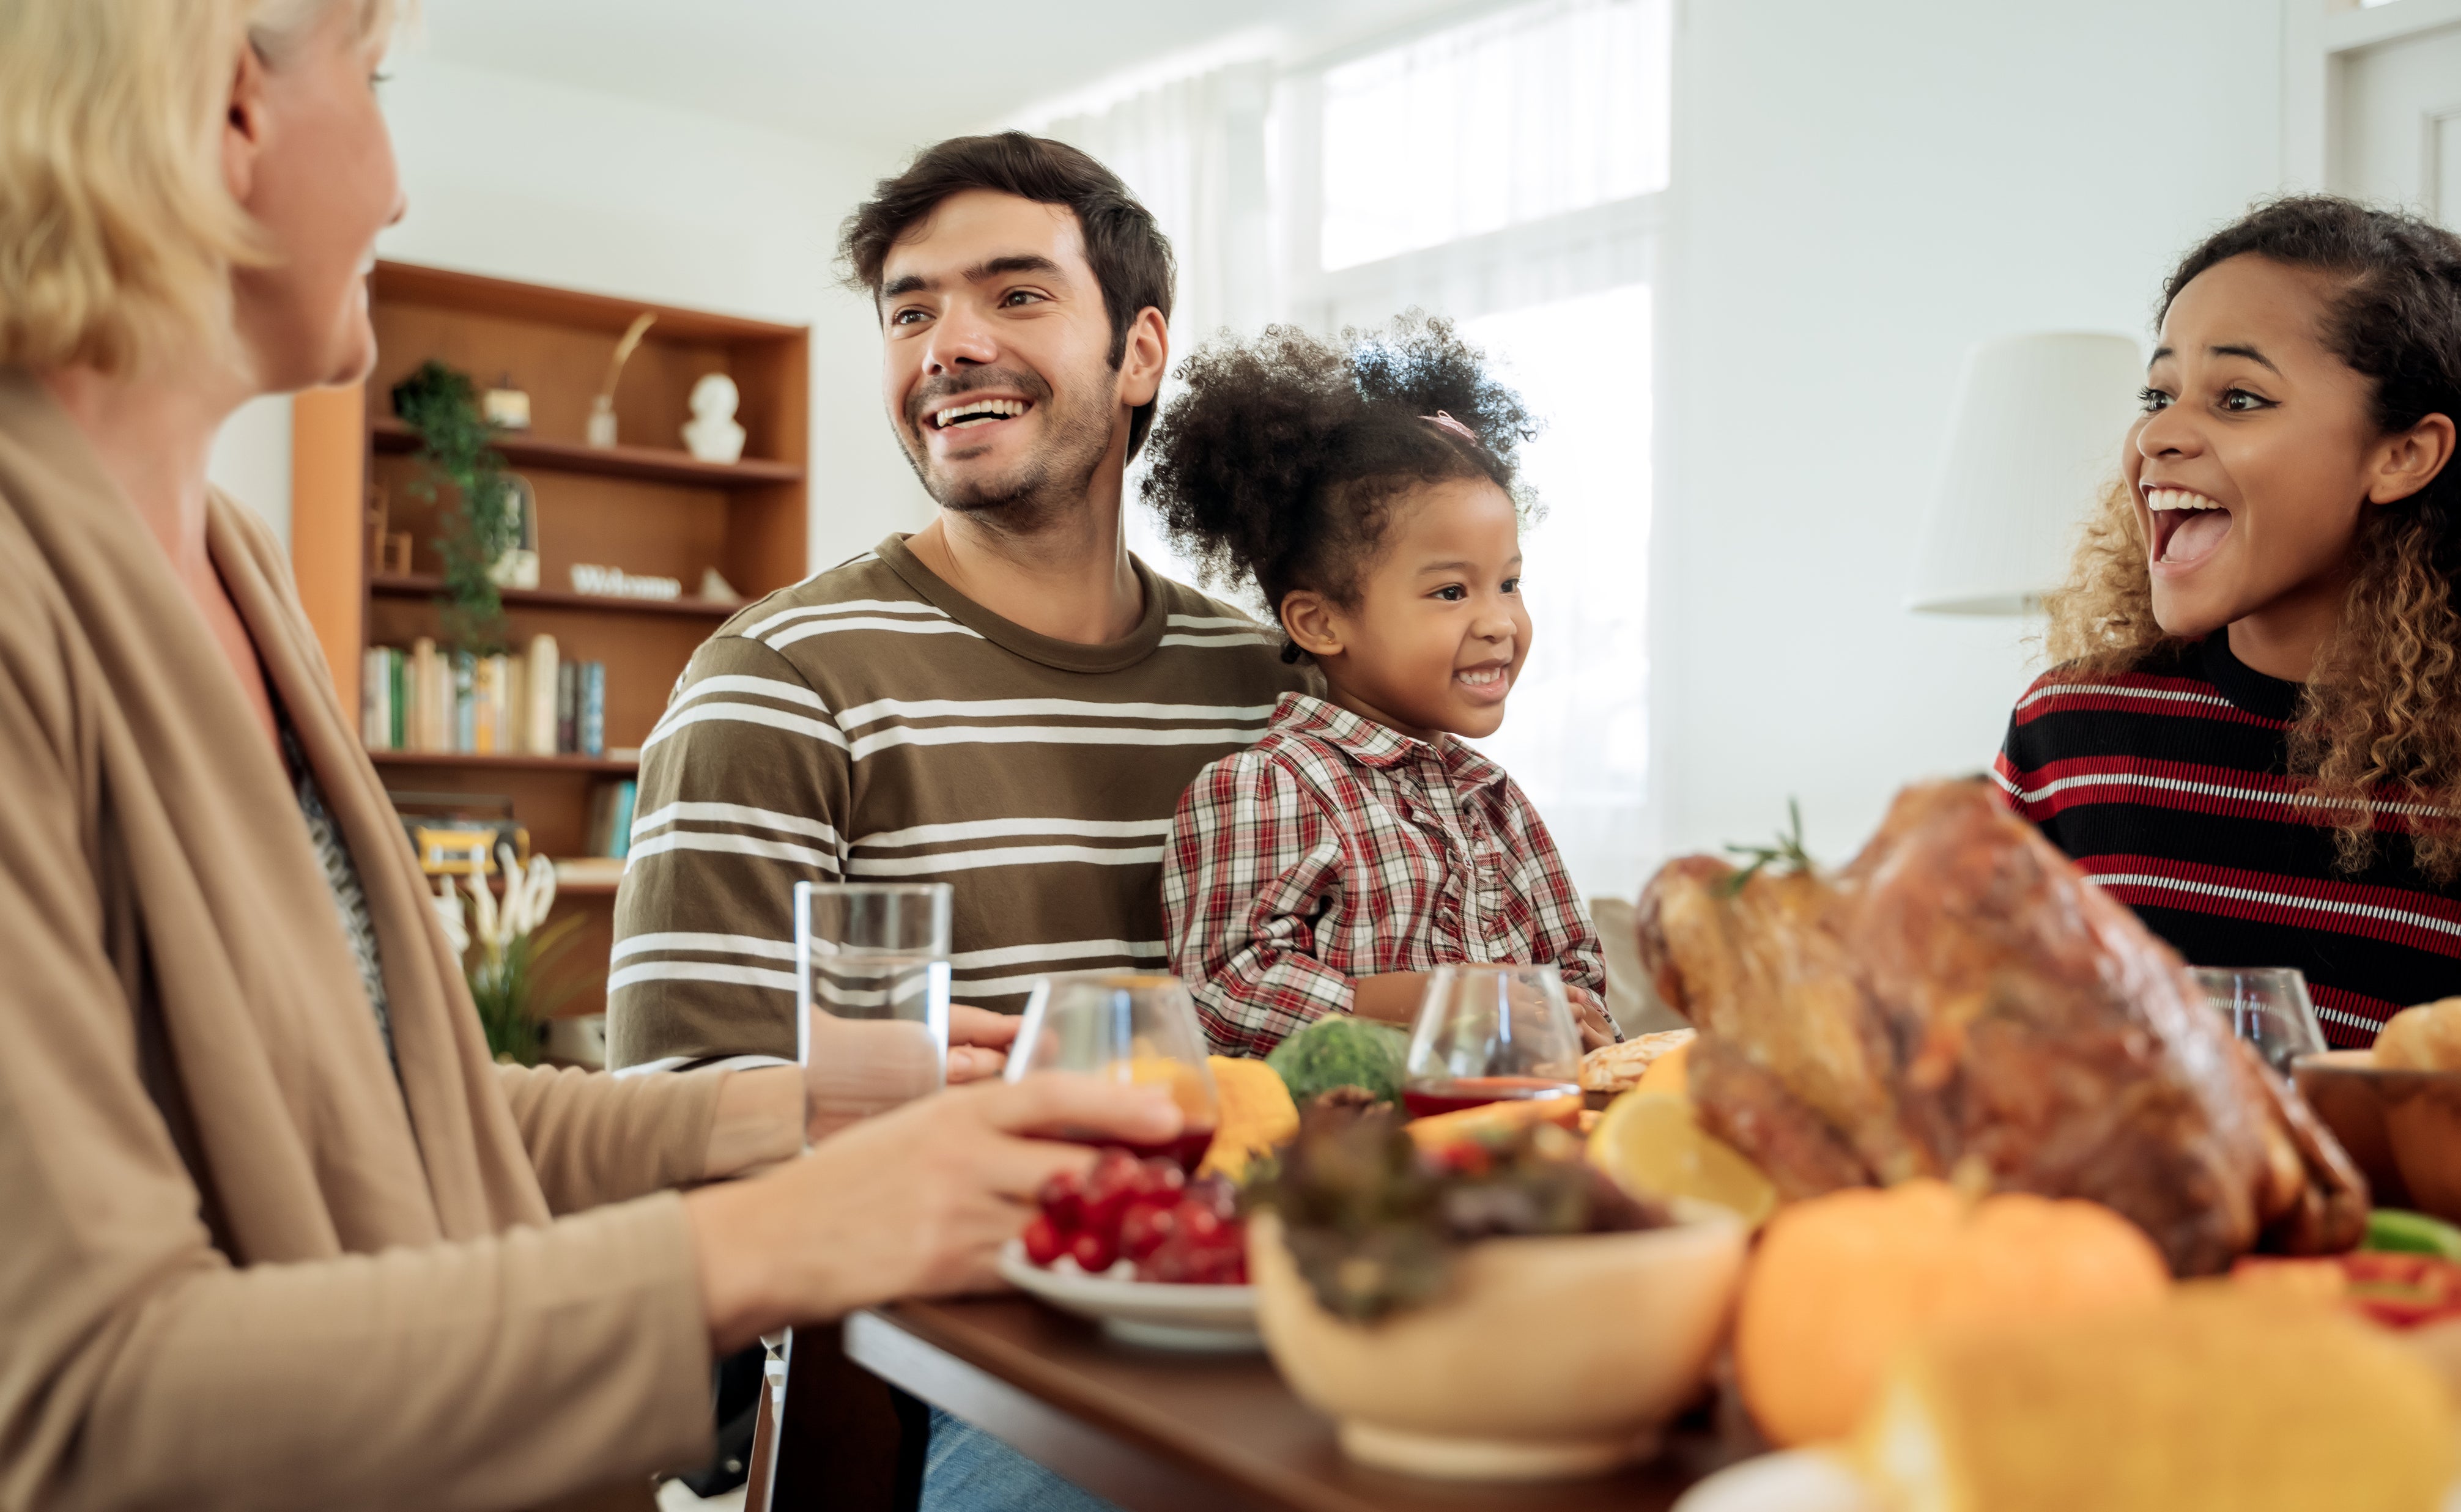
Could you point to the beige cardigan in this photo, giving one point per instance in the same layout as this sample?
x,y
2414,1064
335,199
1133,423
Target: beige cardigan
x,y
240,1266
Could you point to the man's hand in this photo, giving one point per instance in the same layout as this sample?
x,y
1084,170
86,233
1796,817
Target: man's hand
x,y
913,1203
978,1041
1596,1028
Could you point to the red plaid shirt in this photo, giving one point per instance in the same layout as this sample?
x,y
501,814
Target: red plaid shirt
x,y
1337,848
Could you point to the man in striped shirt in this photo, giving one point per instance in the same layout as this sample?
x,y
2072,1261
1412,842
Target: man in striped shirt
x,y
1007,700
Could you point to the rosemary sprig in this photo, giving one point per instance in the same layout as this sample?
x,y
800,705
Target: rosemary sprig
x,y
1787,851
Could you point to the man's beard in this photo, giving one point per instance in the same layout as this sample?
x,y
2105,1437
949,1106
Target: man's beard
x,y
1052,481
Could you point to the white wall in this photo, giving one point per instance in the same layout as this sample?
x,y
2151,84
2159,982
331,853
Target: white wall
x,y
1867,191
251,460
524,179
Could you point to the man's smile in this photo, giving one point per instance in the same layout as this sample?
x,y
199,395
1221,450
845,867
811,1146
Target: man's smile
x,y
971,412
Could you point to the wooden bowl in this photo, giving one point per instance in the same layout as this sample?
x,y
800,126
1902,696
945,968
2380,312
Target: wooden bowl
x,y
2402,1127
1547,1358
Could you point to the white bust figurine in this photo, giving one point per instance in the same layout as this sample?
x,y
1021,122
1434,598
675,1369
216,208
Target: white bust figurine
x,y
712,435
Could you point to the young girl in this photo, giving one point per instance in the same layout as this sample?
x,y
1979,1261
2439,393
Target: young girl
x,y
2255,735
1367,490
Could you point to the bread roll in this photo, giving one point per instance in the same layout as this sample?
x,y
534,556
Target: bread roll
x,y
1619,1068
2422,1039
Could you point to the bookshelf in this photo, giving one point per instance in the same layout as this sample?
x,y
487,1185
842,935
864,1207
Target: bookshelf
x,y
647,506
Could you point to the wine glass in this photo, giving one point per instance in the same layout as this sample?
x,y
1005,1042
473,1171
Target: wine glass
x,y
1124,1026
871,996
2267,1007
1491,1034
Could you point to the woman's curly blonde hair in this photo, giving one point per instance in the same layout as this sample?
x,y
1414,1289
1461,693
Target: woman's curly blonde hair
x,y
2377,732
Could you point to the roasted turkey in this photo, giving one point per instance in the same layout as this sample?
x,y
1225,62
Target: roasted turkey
x,y
1961,1002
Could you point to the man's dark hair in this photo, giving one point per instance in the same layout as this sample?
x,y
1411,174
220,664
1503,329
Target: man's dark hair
x,y
1130,256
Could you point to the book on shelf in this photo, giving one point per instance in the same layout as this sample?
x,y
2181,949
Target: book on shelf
x,y
486,703
601,871
568,707
590,697
611,818
537,709
422,698
465,701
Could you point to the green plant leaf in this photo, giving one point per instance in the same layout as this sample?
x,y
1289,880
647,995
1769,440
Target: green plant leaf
x,y
456,446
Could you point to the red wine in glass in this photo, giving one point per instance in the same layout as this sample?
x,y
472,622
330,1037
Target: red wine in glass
x,y
1491,1031
1186,1152
1138,1028
1477,1092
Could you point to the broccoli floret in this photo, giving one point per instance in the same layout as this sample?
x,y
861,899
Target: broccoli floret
x,y
1339,1050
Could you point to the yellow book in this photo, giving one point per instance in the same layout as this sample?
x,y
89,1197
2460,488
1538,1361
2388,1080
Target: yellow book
x,y
485,698
512,724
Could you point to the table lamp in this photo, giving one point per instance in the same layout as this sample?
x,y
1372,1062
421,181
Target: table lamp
x,y
2039,423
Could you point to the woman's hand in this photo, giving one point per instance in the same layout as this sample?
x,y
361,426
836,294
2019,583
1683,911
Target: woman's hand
x,y
978,1041
913,1203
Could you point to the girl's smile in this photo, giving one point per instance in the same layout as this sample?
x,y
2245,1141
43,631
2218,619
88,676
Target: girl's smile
x,y
1487,681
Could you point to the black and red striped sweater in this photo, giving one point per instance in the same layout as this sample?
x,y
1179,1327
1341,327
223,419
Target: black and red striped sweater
x,y
2170,785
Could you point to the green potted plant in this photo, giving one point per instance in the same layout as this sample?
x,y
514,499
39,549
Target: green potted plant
x,y
440,406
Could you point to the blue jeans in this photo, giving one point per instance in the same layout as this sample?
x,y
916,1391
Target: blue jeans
x,y
967,1470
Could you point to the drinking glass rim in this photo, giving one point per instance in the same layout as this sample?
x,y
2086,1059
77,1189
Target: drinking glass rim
x,y
1493,967
918,889
1120,978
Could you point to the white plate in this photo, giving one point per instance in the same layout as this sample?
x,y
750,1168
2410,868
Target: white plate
x,y
1791,1481
1807,1480
1217,1319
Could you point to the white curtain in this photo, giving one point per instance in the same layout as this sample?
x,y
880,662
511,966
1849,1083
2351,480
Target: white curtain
x,y
1193,151
1502,172
1531,113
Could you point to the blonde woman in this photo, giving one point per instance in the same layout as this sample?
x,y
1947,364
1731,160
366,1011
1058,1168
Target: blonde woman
x,y
278,1233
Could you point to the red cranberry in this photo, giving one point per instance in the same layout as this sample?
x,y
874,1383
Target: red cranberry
x,y
1108,1190
1201,1223
1042,1242
1148,1222
1064,1197
1093,1250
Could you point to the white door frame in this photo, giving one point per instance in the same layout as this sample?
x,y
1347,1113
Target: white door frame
x,y
2317,37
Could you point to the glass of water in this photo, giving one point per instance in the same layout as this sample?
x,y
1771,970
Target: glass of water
x,y
871,996
2267,1007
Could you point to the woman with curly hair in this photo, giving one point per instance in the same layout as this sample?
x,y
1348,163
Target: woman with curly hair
x,y
1368,489
2253,734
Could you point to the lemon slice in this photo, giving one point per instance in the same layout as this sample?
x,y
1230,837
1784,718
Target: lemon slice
x,y
1650,1143
1667,1074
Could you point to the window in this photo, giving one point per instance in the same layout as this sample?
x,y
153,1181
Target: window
x,y
1576,734
1514,119
1509,173
1505,173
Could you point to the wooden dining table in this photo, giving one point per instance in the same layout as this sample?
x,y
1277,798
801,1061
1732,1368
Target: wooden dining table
x,y
1152,1431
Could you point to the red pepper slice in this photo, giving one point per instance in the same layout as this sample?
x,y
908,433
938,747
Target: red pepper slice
x,y
2401,1289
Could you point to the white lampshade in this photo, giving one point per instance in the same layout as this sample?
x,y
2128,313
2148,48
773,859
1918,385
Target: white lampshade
x,y
2037,433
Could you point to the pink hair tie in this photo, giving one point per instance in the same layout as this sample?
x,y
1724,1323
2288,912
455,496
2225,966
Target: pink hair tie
x,y
1445,422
